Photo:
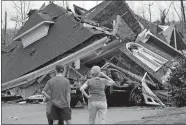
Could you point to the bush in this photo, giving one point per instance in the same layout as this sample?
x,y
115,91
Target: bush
x,y
177,82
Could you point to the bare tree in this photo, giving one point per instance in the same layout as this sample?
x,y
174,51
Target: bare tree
x,y
149,10
180,17
175,8
21,8
143,11
4,33
183,11
183,17
164,14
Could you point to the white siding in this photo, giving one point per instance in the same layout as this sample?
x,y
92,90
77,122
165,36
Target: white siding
x,y
149,58
35,35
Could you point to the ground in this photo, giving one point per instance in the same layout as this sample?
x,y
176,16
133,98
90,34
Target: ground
x,y
35,114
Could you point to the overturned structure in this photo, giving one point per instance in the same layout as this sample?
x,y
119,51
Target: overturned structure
x,y
109,35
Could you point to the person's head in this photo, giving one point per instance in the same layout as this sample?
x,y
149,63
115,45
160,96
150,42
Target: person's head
x,y
59,69
95,71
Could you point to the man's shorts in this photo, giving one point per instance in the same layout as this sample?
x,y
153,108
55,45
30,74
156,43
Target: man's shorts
x,y
60,113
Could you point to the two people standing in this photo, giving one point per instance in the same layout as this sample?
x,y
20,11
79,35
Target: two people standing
x,y
59,86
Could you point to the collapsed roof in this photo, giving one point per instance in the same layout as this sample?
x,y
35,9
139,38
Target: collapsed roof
x,y
105,12
62,36
66,33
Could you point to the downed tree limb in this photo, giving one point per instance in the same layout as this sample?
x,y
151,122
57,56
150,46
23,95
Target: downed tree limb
x,y
33,75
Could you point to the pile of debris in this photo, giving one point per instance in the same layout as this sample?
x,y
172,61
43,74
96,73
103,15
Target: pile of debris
x,y
135,53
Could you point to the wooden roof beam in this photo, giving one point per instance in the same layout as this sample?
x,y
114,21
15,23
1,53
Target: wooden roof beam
x,y
45,70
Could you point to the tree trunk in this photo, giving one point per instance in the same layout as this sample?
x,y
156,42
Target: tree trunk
x,y
183,11
150,13
183,17
5,28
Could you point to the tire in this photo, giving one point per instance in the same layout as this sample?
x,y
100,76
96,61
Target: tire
x,y
136,97
74,100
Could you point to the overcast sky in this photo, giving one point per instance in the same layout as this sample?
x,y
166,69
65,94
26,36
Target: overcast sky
x,y
137,6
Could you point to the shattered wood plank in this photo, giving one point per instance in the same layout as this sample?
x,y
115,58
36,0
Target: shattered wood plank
x,y
107,52
109,11
102,29
75,71
122,30
78,10
33,75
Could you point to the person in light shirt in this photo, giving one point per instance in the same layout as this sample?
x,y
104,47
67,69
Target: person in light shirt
x,y
97,102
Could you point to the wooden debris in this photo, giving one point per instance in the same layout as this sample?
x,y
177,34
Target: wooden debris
x,y
33,75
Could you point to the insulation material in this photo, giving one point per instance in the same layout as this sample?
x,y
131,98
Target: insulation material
x,y
168,33
77,64
143,36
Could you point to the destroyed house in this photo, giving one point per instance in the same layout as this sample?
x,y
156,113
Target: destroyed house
x,y
63,34
48,35
107,11
110,35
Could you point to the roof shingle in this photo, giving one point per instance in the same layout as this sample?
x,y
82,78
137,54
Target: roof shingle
x,y
34,19
62,36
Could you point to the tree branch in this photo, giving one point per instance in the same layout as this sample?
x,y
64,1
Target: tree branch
x,y
28,7
16,5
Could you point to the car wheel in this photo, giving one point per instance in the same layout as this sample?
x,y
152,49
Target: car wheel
x,y
136,97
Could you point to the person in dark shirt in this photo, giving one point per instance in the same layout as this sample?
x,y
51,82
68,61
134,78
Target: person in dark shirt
x,y
60,96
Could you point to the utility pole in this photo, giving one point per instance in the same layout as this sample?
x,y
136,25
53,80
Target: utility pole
x,y
5,28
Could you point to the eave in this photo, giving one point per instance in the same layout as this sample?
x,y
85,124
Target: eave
x,y
31,29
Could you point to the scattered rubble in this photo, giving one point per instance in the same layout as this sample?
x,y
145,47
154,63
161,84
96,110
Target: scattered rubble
x,y
116,39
